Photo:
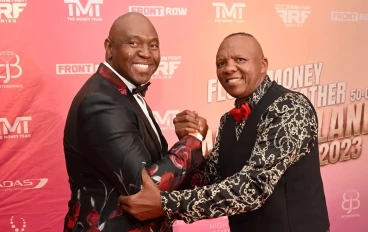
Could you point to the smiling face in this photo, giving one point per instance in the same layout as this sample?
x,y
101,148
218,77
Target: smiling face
x,y
132,48
241,66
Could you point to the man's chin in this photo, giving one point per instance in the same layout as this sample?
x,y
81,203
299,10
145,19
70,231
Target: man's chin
x,y
142,79
235,92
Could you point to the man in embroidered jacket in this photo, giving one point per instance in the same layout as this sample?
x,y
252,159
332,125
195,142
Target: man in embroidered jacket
x,y
264,171
111,135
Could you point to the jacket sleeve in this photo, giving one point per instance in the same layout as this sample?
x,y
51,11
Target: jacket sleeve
x,y
208,172
110,131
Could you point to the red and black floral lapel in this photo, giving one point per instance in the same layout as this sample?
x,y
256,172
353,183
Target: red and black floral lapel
x,y
111,77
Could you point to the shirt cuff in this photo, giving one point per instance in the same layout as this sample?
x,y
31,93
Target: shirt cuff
x,y
197,135
170,204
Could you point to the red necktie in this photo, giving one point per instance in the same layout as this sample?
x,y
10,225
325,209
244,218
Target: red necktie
x,y
240,113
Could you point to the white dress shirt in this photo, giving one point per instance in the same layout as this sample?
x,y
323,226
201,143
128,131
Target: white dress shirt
x,y
138,98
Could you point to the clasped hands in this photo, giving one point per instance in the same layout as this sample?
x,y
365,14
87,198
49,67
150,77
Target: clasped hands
x,y
146,204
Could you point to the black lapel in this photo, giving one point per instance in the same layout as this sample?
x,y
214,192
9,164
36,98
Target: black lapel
x,y
141,114
110,76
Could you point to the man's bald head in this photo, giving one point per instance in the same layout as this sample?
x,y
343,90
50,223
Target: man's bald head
x,y
126,22
241,65
250,39
132,48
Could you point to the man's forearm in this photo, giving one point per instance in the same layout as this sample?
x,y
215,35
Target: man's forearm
x,y
169,172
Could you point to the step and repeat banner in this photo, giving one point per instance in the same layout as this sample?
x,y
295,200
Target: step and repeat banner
x,y
48,49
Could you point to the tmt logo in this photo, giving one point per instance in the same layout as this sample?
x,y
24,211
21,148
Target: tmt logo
x,y
9,68
167,67
293,16
19,129
10,10
350,202
89,12
224,15
166,122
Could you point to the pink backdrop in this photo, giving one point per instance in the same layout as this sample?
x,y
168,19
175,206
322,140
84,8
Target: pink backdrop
x,y
49,48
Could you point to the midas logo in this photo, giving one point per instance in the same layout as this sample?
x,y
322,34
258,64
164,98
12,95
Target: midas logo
x,y
23,184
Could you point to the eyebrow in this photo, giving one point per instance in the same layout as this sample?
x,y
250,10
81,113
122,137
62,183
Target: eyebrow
x,y
140,37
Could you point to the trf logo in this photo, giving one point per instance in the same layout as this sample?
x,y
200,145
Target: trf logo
x,y
10,10
167,67
225,15
19,129
90,12
350,202
9,66
293,16
166,122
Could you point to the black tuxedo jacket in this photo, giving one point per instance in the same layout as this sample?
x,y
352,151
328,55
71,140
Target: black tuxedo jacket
x,y
107,142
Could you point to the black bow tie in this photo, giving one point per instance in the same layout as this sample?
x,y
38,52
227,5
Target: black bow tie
x,y
141,89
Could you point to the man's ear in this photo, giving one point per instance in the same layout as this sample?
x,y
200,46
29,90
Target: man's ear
x,y
108,48
264,65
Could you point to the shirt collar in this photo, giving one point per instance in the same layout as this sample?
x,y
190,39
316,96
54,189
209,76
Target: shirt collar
x,y
128,83
254,98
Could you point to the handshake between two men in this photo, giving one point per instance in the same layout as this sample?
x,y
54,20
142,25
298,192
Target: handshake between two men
x,y
146,204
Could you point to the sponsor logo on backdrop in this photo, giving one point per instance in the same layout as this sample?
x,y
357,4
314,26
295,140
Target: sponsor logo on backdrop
x,y
350,203
348,16
73,69
9,69
306,79
229,14
215,225
292,15
341,140
16,130
167,67
159,11
88,12
10,10
165,118
216,93
220,224
18,225
26,184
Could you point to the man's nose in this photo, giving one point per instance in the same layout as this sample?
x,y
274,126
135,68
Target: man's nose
x,y
145,52
230,67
